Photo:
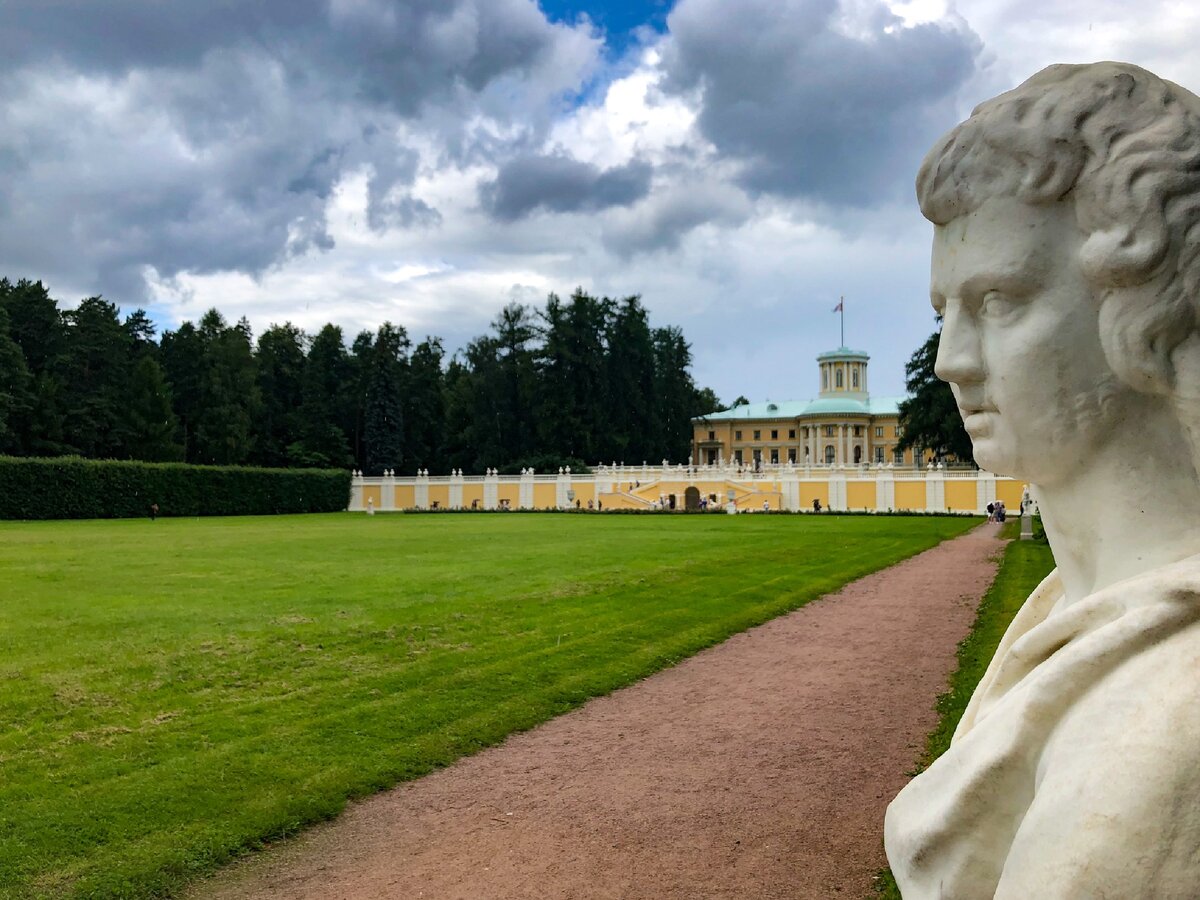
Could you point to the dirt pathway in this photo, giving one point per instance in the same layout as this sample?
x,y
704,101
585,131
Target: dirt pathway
x,y
759,768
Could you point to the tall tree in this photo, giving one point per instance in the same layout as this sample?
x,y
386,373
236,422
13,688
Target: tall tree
x,y
634,432
929,417
224,432
16,389
326,392
184,362
152,427
383,427
425,409
280,369
356,413
513,385
96,379
675,390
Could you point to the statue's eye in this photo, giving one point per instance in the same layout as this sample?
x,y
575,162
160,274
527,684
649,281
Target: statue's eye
x,y
996,305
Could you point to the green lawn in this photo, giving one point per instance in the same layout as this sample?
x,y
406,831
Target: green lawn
x,y
174,692
1024,565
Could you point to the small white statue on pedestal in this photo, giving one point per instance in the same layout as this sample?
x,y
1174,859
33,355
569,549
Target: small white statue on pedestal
x,y
1066,265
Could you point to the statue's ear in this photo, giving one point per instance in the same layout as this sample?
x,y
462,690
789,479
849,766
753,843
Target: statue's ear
x,y
1122,256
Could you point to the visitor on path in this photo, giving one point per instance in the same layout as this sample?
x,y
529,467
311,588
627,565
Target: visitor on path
x,y
816,505
153,511
991,508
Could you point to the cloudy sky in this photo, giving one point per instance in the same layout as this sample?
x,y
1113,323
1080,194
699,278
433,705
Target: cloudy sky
x,y
739,163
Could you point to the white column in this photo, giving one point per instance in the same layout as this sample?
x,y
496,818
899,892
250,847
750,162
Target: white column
x,y
525,492
844,449
356,490
387,491
455,500
935,491
421,490
561,486
985,491
789,489
491,492
837,489
885,490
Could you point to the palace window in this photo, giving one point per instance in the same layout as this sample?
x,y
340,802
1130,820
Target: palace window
x,y
858,431
854,377
824,379
828,431
791,434
737,435
839,378
898,457
774,455
878,431
899,431
830,454
791,454
774,434
737,456
879,455
757,435
712,435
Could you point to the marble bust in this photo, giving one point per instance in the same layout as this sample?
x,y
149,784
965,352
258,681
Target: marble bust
x,y
1066,265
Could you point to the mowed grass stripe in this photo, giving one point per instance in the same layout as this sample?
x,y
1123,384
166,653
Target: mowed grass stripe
x,y
179,691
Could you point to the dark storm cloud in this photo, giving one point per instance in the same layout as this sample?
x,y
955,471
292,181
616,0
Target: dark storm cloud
x,y
209,136
817,106
561,184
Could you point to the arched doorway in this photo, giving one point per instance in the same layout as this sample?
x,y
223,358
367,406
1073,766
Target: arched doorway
x,y
830,453
691,497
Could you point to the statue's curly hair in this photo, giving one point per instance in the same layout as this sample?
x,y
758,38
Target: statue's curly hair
x,y
1122,145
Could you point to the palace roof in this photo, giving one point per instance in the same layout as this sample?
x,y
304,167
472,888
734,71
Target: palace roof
x,y
794,409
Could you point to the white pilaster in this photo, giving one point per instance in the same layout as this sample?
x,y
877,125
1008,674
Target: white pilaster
x,y
491,489
387,491
525,491
356,490
885,490
935,491
985,491
455,500
837,489
421,490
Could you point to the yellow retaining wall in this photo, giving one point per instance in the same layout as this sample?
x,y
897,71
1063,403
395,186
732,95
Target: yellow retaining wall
x,y
960,495
471,493
543,496
910,495
406,496
860,494
814,490
509,492
371,492
439,494
1010,492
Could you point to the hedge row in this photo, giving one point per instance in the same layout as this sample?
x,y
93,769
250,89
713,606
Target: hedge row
x,y
74,488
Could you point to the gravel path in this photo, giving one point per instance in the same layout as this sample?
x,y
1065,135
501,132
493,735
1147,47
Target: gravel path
x,y
759,768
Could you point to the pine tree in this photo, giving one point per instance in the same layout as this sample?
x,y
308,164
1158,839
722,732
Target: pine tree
x,y
383,425
635,430
280,368
425,411
152,426
229,393
96,380
16,385
327,389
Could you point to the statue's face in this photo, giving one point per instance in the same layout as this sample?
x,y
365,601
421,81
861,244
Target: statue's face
x,y
1020,341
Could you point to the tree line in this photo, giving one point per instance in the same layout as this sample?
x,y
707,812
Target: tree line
x,y
585,379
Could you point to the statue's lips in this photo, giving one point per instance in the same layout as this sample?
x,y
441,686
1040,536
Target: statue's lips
x,y
976,419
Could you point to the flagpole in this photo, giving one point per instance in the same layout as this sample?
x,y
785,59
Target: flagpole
x,y
842,307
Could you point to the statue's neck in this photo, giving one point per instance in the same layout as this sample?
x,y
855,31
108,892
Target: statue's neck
x,y
1134,508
